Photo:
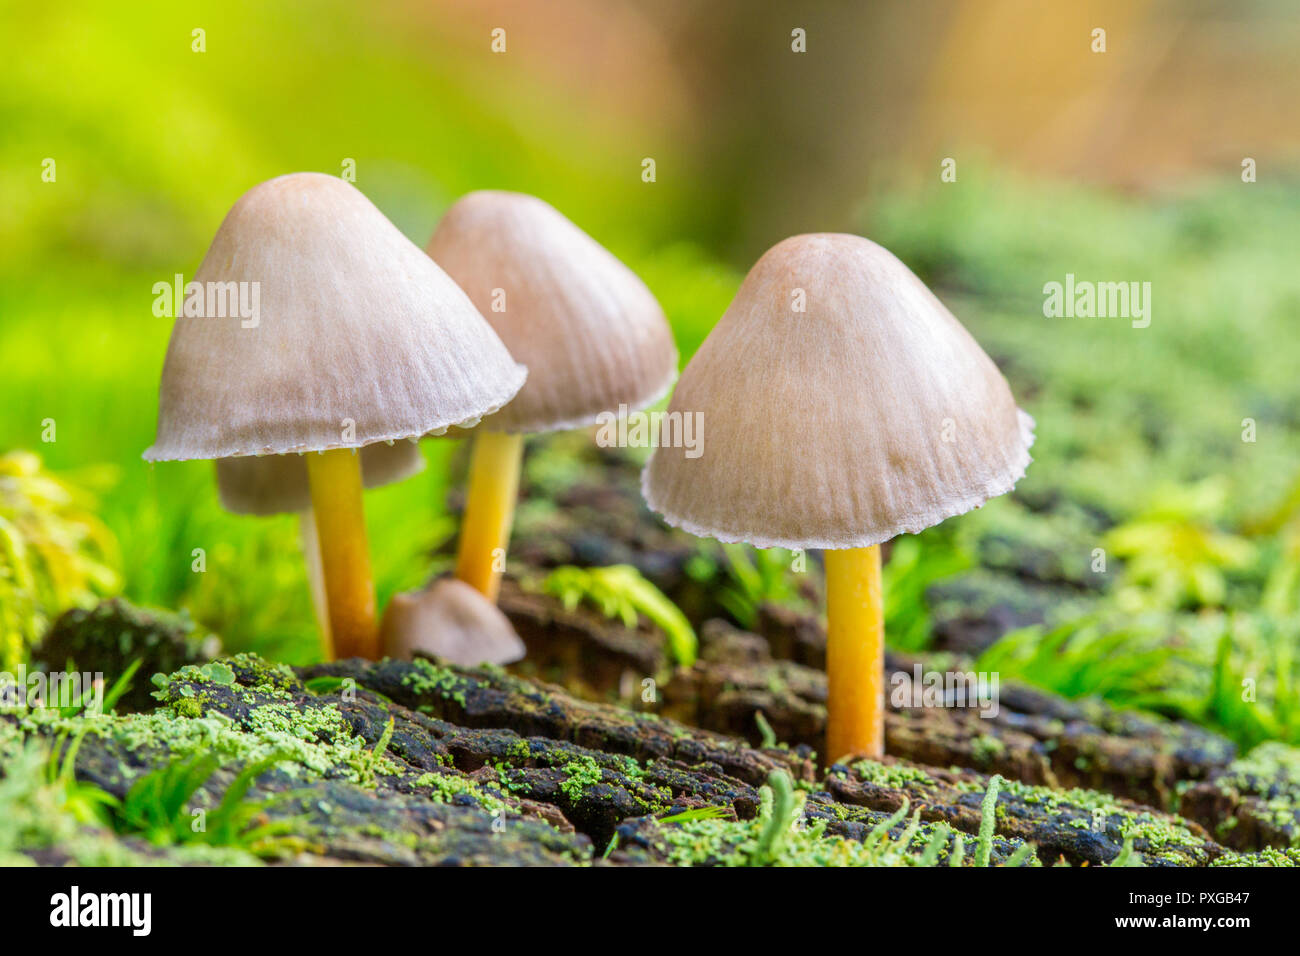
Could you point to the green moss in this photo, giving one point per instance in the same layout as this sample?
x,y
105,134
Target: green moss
x,y
312,742
1268,857
715,842
985,749
1158,834
1270,777
428,678
895,776
187,707
307,724
443,787
1269,763
581,773
518,749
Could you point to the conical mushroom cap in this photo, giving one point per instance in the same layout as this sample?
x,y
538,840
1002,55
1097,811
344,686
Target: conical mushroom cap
x,y
589,331
871,413
355,325
277,484
451,620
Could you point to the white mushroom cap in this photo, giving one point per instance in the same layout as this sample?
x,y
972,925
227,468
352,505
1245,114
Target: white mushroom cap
x,y
589,331
451,620
871,413
277,484
355,325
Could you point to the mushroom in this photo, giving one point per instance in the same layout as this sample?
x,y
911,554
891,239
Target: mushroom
x,y
589,331
845,405
451,620
359,338
277,484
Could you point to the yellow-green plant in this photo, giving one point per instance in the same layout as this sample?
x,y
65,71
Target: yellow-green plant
x,y
1084,657
54,553
85,802
757,576
914,564
159,807
1281,595
1174,553
621,591
1253,694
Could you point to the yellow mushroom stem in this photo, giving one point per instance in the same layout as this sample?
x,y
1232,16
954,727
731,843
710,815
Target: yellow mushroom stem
x,y
315,577
335,478
855,654
489,510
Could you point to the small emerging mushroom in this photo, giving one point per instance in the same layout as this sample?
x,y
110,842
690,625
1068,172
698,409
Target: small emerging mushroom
x,y
277,484
451,620
360,338
867,413
589,331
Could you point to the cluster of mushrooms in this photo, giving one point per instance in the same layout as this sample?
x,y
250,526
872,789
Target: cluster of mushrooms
x,y
844,405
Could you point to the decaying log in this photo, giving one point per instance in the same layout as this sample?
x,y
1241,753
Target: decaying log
x,y
1254,803
421,763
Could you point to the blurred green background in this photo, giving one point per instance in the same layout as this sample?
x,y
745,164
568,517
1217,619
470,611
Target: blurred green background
x,y
1121,165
